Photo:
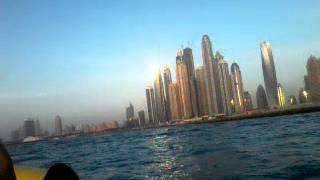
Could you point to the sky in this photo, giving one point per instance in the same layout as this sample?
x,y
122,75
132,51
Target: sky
x,y
86,60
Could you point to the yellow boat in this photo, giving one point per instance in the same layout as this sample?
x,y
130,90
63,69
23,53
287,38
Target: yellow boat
x,y
26,173
10,172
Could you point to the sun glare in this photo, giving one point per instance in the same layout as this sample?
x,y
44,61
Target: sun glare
x,y
155,68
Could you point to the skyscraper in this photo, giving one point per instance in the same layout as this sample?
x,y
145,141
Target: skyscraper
x,y
202,91
175,99
29,127
208,62
247,101
183,85
58,125
312,79
167,81
237,88
159,97
142,118
130,112
224,86
187,57
269,73
281,96
151,104
217,78
261,97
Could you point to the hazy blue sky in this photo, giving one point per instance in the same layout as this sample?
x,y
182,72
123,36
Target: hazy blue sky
x,y
85,60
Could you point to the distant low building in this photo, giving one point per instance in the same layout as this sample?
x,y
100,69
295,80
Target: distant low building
x,y
15,135
261,96
303,96
69,129
38,130
292,100
281,96
247,101
29,127
116,124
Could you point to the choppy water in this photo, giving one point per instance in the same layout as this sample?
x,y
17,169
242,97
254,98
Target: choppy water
x,y
276,147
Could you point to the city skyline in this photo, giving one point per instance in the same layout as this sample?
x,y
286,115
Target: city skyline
x,y
218,93
43,82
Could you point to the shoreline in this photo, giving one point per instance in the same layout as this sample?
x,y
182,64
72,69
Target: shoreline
x,y
249,115
261,114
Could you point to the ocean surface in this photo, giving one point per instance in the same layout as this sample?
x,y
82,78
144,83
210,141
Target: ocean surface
x,y
276,147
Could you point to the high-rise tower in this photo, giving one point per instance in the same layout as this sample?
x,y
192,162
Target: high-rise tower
x,y
269,73
167,81
151,104
58,125
224,87
217,77
175,99
237,88
159,97
202,91
130,111
187,58
142,118
183,85
262,101
208,62
312,79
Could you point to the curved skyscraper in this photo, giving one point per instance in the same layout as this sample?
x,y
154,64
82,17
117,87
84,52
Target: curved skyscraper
x,y
269,73
208,61
237,88
262,101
